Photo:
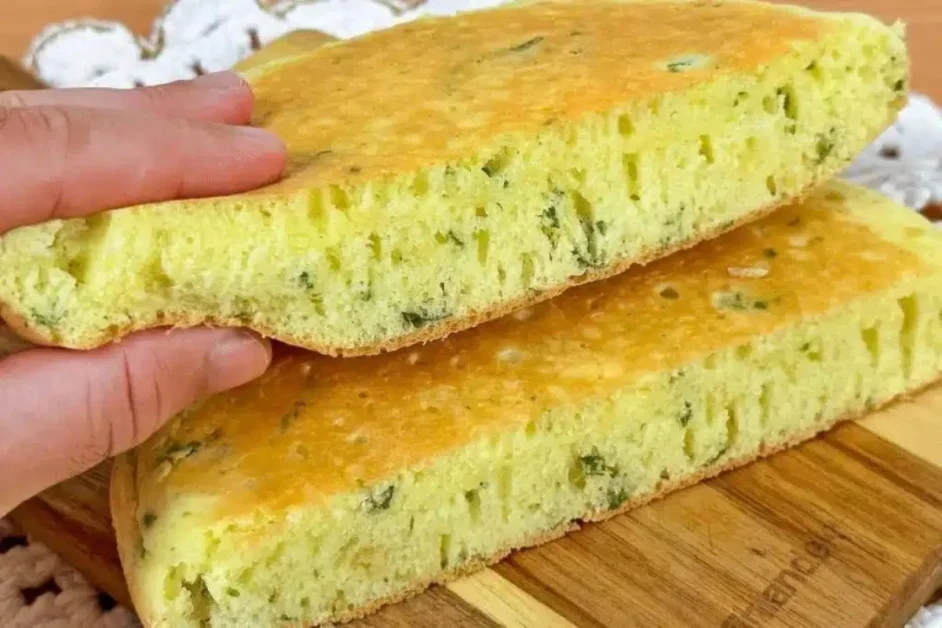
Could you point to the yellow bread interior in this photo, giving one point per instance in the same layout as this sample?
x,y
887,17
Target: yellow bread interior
x,y
449,170
333,485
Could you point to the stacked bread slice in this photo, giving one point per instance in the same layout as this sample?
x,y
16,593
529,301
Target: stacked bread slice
x,y
464,175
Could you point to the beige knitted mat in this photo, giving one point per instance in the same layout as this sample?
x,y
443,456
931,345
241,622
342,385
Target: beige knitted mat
x,y
37,589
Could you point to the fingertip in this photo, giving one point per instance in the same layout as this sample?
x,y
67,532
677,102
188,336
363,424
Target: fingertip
x,y
237,357
262,139
266,151
225,80
230,96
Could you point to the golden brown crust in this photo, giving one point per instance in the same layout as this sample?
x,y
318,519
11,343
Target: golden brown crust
x,y
123,498
293,44
124,504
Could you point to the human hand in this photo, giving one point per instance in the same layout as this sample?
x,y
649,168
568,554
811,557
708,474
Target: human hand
x,y
70,153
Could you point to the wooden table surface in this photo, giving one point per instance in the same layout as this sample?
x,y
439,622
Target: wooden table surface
x,y
21,21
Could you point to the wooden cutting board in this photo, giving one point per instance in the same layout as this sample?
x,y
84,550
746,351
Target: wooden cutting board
x,y
843,531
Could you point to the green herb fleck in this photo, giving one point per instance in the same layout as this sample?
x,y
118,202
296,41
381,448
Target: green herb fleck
x,y
741,96
530,43
231,592
670,294
318,302
454,239
686,415
811,67
550,224
45,319
594,464
179,451
738,301
583,261
549,215
496,163
770,253
601,226
305,281
380,500
149,519
419,320
900,85
786,97
591,256
718,454
616,498
411,523
823,147
288,418
679,66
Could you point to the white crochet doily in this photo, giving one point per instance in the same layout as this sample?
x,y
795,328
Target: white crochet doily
x,y
197,36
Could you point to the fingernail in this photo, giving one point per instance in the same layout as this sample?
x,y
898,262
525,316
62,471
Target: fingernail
x,y
237,357
269,140
220,80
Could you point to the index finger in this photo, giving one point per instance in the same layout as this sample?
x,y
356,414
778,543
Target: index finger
x,y
218,97
68,162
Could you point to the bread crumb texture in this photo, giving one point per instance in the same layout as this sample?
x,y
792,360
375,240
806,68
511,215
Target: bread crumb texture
x,y
332,485
446,168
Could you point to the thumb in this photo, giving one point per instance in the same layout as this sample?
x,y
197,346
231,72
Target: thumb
x,y
63,412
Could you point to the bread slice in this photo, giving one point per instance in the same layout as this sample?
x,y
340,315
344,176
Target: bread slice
x,y
333,486
450,170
